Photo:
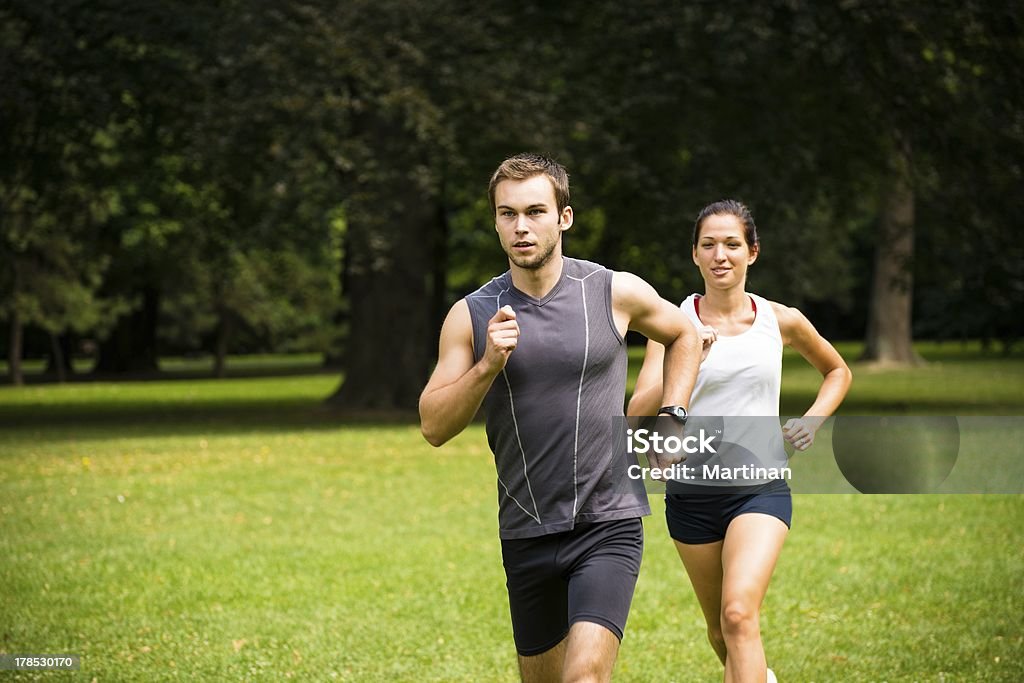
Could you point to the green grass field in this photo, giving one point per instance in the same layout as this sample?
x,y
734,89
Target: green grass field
x,y
238,530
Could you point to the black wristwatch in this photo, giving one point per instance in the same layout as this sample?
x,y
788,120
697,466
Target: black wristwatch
x,y
678,413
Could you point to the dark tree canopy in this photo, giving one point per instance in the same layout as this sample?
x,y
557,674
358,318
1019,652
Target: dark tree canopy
x,y
305,175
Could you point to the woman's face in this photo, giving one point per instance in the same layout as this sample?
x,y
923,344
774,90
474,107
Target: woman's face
x,y
722,252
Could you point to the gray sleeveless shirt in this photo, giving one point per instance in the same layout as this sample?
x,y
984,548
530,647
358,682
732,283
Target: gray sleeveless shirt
x,y
551,413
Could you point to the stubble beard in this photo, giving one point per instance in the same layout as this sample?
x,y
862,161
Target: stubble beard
x,y
535,262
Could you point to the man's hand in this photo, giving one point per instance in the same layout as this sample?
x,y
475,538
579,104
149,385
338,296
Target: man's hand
x,y
661,458
502,338
664,461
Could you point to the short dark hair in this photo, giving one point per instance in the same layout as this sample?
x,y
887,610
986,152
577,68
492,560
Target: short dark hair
x,y
729,207
524,166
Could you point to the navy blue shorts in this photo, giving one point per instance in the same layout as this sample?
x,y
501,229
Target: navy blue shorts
x,y
587,574
703,517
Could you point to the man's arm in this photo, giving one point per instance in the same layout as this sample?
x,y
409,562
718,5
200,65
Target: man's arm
x,y
646,397
639,306
458,384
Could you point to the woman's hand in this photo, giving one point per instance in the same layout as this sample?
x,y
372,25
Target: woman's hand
x,y
800,432
708,335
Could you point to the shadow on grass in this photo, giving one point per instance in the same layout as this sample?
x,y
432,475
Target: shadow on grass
x,y
217,408
169,418
245,372
123,418
796,404
57,422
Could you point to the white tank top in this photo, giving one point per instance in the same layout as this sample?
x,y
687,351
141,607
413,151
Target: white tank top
x,y
741,378
742,375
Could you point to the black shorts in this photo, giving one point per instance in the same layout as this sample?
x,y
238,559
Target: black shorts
x,y
587,574
703,517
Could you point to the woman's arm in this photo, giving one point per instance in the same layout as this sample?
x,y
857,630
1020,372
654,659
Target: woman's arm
x,y
646,397
798,332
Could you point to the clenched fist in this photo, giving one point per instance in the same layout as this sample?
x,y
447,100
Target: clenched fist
x,y
708,336
799,432
502,338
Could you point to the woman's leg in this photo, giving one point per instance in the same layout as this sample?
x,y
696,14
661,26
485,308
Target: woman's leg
x,y
703,564
751,548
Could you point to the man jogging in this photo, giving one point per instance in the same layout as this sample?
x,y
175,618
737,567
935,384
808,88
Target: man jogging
x,y
542,348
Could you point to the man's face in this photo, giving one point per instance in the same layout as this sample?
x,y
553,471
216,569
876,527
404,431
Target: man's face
x,y
528,222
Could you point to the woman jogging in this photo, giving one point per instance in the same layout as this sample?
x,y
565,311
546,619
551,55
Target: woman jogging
x,y
729,540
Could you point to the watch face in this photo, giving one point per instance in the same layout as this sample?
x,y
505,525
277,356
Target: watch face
x,y
677,412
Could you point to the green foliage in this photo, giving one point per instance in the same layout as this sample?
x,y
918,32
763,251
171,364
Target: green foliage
x,y
280,298
171,148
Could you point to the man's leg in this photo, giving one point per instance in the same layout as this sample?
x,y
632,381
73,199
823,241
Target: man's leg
x,y
602,561
538,604
605,563
590,652
545,667
586,655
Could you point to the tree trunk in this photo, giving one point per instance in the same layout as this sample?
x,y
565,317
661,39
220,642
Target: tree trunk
x,y
440,268
889,336
131,346
14,349
336,356
61,354
392,221
57,358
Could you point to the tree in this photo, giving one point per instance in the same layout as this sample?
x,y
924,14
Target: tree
x,y
210,166
889,333
53,112
434,98
923,75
